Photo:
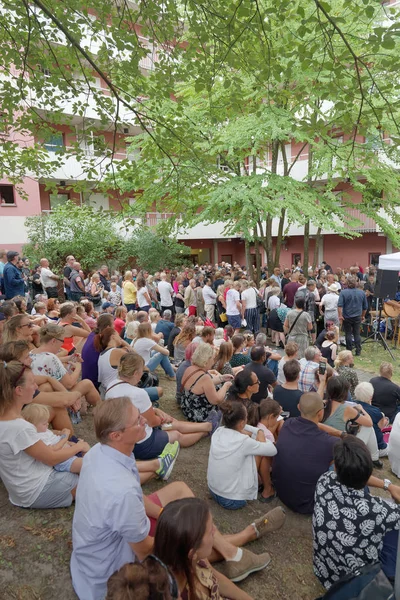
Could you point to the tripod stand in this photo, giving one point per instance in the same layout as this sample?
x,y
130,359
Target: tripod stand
x,y
376,335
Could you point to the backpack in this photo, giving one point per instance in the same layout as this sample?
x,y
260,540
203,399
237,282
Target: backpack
x,y
305,294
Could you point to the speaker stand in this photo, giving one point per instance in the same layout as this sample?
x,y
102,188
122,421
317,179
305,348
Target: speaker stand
x,y
377,336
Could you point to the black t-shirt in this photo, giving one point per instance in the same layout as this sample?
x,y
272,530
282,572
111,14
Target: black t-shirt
x,y
320,338
172,335
284,282
266,378
36,284
288,399
386,395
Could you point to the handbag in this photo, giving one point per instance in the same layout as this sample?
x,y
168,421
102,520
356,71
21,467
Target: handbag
x,y
148,380
260,302
293,324
223,317
366,583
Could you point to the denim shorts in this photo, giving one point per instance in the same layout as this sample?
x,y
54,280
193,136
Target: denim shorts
x,y
65,465
235,321
228,504
152,393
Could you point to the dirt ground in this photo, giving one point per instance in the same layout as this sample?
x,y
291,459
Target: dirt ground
x,y
35,545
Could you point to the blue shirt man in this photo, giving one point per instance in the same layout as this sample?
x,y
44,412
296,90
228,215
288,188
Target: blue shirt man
x,y
352,307
109,516
165,326
13,279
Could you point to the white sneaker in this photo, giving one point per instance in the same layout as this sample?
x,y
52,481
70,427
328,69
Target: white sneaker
x,y
383,452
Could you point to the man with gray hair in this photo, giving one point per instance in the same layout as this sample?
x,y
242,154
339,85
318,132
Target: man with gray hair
x,y
114,522
77,288
309,364
164,325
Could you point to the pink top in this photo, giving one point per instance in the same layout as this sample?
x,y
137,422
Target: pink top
x,y
268,435
175,285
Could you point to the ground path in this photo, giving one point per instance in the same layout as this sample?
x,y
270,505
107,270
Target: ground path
x,y
35,546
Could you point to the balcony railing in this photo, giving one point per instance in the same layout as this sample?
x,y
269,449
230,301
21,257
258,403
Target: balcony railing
x,y
154,218
367,224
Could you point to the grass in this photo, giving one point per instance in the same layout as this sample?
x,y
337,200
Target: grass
x,y
35,546
373,354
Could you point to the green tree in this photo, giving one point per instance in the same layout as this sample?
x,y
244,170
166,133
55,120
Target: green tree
x,y
274,71
149,250
91,236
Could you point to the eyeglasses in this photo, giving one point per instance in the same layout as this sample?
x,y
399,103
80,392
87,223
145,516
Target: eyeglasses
x,y
59,339
256,382
27,325
136,423
173,586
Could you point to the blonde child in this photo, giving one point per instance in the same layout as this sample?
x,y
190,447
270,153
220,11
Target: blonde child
x,y
38,415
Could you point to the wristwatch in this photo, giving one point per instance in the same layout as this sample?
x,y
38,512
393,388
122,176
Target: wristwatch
x,y
386,483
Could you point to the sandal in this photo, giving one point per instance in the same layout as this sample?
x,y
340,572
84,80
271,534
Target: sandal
x,y
269,499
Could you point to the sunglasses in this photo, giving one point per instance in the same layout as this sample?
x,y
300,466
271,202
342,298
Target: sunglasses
x,y
27,325
173,586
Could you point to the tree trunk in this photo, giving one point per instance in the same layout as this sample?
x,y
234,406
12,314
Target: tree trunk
x,y
306,247
268,244
258,260
249,261
316,248
279,238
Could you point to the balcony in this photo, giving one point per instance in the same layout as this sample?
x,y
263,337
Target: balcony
x,y
367,224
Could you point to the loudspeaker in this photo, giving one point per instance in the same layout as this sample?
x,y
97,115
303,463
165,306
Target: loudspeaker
x,y
386,283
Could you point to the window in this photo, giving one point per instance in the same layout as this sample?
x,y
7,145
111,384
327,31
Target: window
x,y
373,258
57,199
55,143
44,70
7,195
226,258
296,258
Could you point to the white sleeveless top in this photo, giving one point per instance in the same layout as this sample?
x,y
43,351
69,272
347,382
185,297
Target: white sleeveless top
x,y
107,373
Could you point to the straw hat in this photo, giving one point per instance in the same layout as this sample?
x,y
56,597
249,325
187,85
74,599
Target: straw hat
x,y
333,287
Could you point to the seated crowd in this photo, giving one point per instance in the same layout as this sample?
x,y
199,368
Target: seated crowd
x,y
291,423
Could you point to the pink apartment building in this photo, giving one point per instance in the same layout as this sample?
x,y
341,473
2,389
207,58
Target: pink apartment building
x,y
207,242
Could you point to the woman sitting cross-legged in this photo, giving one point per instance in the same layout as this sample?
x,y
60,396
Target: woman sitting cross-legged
x,y
237,458
144,345
108,343
338,412
199,394
187,526
130,371
26,463
46,362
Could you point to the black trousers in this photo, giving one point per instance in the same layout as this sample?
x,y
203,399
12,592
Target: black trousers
x,y
52,292
351,326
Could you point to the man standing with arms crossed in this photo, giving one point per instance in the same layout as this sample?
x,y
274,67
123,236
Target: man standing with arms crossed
x,y
352,307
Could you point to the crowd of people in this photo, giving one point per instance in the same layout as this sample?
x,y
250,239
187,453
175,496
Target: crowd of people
x,y
288,421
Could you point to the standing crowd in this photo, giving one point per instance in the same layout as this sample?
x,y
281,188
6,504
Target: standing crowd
x,y
288,421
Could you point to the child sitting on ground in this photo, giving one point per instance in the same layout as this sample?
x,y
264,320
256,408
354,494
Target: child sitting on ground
x,y
268,419
38,415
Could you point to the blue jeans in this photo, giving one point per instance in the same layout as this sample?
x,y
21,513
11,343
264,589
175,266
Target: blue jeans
x,y
152,393
388,554
160,359
273,365
228,504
